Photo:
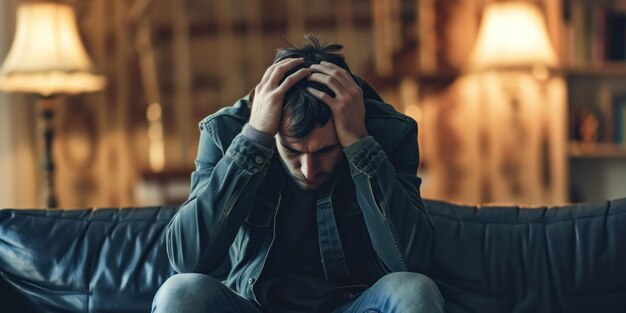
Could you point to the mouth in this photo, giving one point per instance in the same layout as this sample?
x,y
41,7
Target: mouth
x,y
311,182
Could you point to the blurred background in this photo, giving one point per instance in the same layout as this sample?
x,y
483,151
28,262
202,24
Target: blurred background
x,y
517,101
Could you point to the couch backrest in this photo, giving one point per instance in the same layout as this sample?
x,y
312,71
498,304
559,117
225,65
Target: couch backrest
x,y
105,260
489,259
511,259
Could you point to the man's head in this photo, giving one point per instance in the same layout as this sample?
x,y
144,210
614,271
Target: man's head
x,y
304,111
307,141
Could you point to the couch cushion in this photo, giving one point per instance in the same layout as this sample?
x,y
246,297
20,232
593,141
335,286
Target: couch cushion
x,y
85,260
512,259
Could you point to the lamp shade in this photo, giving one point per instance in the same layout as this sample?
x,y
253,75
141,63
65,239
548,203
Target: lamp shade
x,y
512,35
47,55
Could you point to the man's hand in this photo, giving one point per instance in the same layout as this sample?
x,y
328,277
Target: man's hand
x,y
347,107
267,104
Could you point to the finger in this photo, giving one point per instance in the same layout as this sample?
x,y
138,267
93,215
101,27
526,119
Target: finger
x,y
332,65
334,70
293,79
324,97
329,81
271,68
280,70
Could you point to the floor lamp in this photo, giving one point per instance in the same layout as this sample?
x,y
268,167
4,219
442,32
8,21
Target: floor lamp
x,y
512,41
48,58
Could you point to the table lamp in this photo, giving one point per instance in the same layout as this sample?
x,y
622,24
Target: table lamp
x,y
48,58
512,36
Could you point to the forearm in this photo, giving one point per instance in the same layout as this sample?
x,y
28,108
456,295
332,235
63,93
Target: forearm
x,y
199,236
398,223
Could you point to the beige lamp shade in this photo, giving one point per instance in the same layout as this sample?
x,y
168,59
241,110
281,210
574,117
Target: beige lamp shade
x,y
512,35
47,55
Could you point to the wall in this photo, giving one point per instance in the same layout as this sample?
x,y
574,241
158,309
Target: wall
x,y
18,164
193,58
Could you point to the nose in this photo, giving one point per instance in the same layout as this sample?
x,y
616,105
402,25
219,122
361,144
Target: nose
x,y
308,166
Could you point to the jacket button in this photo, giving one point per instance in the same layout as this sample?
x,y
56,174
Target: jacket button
x,y
259,160
251,281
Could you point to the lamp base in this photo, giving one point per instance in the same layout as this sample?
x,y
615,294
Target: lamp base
x,y
46,106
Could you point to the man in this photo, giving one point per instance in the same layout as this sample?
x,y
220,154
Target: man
x,y
305,199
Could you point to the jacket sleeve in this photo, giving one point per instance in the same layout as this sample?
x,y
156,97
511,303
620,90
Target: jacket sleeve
x,y
223,187
388,193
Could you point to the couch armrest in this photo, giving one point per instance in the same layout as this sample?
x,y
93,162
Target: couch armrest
x,y
89,260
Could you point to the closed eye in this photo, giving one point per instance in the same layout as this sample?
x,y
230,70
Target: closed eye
x,y
327,149
292,151
324,150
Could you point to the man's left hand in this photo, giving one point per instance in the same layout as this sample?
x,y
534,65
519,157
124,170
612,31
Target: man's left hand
x,y
347,107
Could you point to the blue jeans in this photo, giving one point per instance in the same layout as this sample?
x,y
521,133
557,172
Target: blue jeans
x,y
401,292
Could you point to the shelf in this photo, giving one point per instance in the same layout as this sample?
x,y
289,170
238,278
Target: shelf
x,y
597,150
607,68
168,174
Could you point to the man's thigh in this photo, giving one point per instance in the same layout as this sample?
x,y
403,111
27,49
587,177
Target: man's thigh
x,y
199,293
401,292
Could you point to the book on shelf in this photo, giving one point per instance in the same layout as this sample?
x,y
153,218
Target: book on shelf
x,y
620,119
594,34
615,40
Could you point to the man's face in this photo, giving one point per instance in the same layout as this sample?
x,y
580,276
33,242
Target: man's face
x,y
311,161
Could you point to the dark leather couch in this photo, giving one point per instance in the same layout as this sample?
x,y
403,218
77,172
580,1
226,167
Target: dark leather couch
x,y
489,259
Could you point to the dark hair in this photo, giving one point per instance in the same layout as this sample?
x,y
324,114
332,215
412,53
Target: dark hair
x,y
302,110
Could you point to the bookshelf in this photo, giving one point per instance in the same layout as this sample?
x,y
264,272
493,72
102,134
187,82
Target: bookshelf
x,y
589,152
593,52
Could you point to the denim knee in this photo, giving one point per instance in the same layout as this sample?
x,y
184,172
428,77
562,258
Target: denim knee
x,y
186,293
411,292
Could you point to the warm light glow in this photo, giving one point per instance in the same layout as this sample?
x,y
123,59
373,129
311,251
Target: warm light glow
x,y
512,34
414,112
157,156
154,112
47,55
155,131
156,143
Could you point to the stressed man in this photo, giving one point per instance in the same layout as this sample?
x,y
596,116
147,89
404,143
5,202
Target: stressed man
x,y
304,199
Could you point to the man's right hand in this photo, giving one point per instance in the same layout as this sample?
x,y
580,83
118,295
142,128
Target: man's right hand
x,y
267,104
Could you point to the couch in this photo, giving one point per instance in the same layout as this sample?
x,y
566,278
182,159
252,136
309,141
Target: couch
x,y
489,259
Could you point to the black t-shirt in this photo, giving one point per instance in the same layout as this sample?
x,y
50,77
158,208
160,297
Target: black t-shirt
x,y
294,279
